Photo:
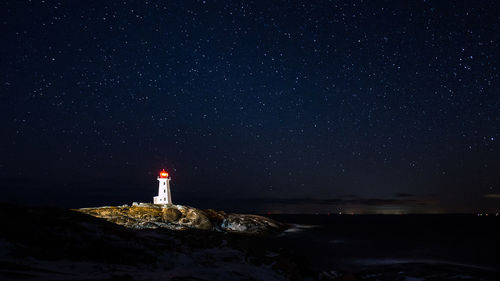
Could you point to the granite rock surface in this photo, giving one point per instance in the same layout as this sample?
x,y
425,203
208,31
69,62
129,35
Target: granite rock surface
x,y
178,217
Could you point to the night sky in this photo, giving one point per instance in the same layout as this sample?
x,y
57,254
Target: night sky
x,y
259,106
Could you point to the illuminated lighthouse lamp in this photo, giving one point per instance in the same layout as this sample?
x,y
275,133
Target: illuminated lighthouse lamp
x,y
164,196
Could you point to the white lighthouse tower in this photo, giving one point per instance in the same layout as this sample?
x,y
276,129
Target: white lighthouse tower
x,y
163,189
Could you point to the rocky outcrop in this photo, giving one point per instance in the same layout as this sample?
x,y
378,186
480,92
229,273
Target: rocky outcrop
x,y
59,244
178,217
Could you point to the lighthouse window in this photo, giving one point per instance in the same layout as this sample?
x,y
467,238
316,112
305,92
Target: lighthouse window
x,y
164,183
164,191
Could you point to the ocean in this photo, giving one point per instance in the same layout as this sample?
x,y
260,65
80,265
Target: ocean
x,y
414,246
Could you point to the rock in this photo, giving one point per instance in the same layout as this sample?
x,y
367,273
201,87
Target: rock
x,y
178,217
250,224
215,216
59,244
171,214
198,218
144,213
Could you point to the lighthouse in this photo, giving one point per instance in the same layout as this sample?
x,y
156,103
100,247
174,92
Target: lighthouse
x,y
163,189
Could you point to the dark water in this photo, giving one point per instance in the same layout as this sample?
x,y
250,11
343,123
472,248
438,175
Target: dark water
x,y
353,243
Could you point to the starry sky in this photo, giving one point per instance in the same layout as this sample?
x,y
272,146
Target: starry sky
x,y
263,106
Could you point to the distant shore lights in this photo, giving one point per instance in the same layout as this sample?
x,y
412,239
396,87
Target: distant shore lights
x,y
164,196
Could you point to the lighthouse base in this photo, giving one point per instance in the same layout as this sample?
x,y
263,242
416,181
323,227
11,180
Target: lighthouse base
x,y
161,200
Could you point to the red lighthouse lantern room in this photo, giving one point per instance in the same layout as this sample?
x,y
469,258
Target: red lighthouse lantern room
x,y
163,174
